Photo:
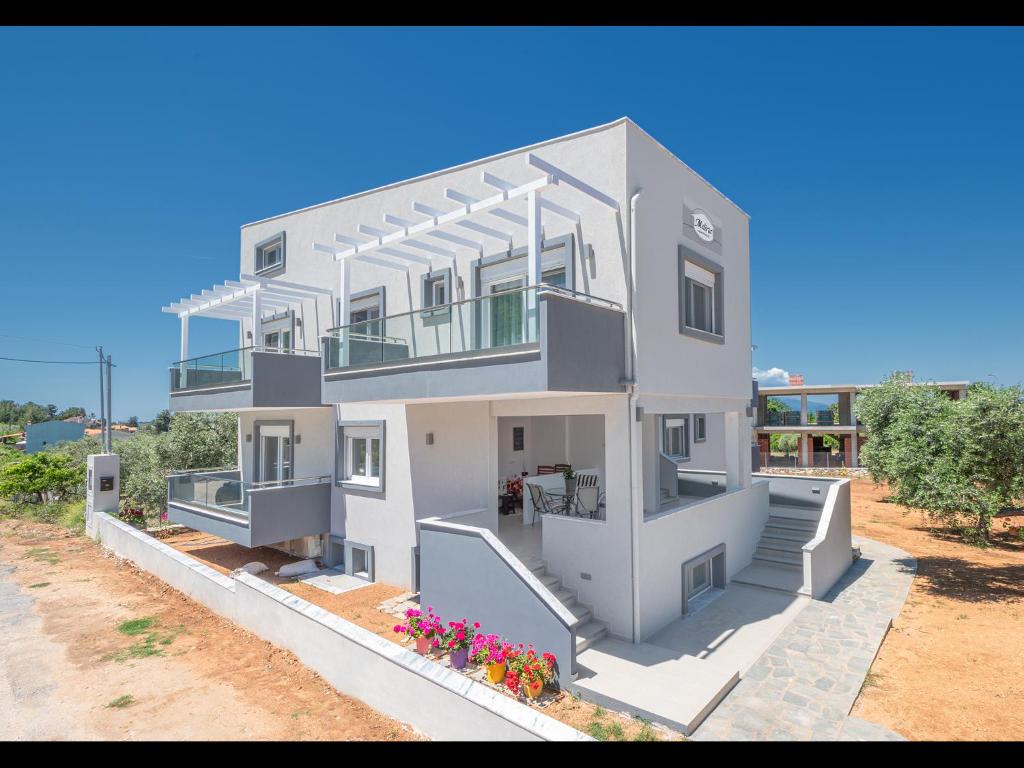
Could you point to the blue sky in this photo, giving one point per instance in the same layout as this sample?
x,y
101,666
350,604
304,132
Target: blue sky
x,y
882,169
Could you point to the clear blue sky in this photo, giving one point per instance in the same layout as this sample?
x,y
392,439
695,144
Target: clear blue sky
x,y
882,169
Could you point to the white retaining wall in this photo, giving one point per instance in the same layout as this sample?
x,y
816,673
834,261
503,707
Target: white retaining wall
x,y
439,702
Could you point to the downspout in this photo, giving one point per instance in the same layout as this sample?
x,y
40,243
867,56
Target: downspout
x,y
634,523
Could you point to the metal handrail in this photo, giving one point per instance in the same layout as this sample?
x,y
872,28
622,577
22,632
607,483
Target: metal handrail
x,y
279,350
540,288
260,484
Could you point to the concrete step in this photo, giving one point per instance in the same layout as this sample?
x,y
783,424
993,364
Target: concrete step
x,y
773,576
789,534
780,544
792,523
564,596
537,566
797,513
581,612
549,581
588,634
782,558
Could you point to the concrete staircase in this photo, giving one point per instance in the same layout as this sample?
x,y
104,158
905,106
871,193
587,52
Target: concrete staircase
x,y
778,562
588,629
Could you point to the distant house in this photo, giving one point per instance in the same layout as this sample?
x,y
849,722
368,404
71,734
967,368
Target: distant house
x,y
38,436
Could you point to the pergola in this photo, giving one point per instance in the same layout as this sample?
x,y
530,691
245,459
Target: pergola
x,y
505,212
246,297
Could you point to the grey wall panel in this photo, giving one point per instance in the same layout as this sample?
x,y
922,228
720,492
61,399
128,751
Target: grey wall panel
x,y
285,381
279,514
583,346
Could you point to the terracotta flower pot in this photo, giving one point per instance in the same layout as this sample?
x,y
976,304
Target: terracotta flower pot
x,y
496,672
459,658
533,691
422,645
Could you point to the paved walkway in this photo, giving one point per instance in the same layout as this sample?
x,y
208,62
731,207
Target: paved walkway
x,y
805,684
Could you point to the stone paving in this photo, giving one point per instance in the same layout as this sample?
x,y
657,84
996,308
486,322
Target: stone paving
x,y
804,686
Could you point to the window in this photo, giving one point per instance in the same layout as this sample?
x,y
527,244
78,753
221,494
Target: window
x,y
280,340
700,297
554,277
360,460
270,254
273,456
363,307
437,288
699,578
675,436
700,428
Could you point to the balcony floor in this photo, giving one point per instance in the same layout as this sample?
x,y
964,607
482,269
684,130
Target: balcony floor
x,y
523,540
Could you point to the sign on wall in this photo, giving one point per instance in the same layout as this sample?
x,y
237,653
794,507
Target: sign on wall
x,y
703,226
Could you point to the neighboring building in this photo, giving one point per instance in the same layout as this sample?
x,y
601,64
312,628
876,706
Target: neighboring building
x,y
822,418
38,436
405,351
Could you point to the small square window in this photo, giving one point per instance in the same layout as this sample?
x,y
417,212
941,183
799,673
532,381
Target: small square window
x,y
700,428
361,455
437,289
270,254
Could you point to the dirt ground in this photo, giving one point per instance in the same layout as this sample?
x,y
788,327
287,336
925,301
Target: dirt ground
x,y
950,668
71,668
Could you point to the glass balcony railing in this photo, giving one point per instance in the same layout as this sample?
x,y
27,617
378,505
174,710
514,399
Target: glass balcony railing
x,y
783,419
223,490
496,321
210,370
221,367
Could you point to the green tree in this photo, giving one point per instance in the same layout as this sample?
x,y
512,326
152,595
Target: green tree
x,y
73,411
133,421
960,461
162,422
785,442
42,476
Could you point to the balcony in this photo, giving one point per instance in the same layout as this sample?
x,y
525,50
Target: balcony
x,y
251,377
782,419
219,502
535,339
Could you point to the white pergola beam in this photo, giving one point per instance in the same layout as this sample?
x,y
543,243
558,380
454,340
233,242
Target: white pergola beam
x,y
429,248
414,257
563,177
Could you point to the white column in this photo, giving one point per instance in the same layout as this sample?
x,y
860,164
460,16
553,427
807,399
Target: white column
x,y
803,409
257,314
804,457
184,338
533,264
344,312
853,450
737,451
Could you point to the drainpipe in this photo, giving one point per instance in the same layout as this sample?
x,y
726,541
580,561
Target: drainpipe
x,y
634,522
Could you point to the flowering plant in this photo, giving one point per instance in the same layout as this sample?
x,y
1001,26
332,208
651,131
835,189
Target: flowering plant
x,y
419,626
526,668
488,649
514,485
458,636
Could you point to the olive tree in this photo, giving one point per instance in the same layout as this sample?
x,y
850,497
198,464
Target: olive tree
x,y
961,461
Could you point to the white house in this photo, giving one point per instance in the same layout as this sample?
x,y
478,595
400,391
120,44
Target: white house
x,y
403,351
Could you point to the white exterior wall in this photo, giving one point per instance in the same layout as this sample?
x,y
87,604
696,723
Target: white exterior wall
x,y
311,457
669,362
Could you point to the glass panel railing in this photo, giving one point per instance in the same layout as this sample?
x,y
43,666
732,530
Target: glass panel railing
x,y
224,490
496,321
210,370
783,419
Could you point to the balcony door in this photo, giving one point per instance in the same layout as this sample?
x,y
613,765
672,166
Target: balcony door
x,y
274,461
505,316
279,340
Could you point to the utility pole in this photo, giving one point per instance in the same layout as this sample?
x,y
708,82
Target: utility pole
x,y
110,410
103,433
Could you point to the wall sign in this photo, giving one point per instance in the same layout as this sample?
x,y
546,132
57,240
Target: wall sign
x,y
703,227
517,438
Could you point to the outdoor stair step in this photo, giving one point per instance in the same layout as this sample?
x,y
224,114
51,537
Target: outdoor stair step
x,y
773,576
564,596
778,544
537,566
789,534
581,613
794,512
549,581
793,523
775,556
588,634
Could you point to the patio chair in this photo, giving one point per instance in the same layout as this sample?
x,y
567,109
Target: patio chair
x,y
560,468
587,497
545,469
542,503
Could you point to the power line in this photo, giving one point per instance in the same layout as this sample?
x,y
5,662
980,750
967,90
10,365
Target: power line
x,y
51,362
44,341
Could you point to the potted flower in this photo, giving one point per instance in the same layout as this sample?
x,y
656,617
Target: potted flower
x,y
457,640
425,630
570,481
529,672
490,650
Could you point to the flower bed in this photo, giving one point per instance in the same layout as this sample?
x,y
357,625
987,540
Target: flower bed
x,y
515,669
